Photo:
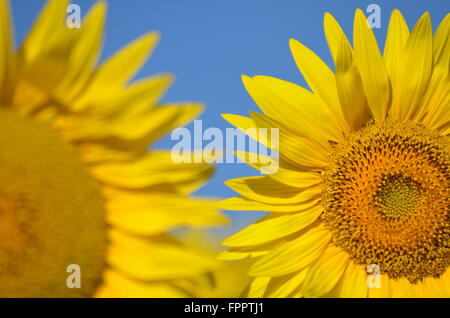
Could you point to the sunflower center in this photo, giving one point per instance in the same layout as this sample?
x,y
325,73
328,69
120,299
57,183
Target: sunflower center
x,y
387,199
51,214
398,197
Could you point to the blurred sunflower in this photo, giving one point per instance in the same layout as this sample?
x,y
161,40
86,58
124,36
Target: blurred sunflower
x,y
78,184
364,177
230,278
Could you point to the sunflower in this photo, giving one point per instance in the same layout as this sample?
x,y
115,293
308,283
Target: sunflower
x,y
230,278
360,204
79,185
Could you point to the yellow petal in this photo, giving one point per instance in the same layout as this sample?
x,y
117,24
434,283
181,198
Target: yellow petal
x,y
48,31
437,287
244,204
92,153
136,100
317,119
7,58
273,227
438,114
85,54
286,173
112,73
158,213
349,85
334,34
299,151
117,286
385,288
402,288
249,127
413,72
155,168
319,78
274,106
282,287
133,56
324,274
441,43
371,67
148,127
441,55
239,253
264,189
257,287
293,255
147,260
397,36
354,283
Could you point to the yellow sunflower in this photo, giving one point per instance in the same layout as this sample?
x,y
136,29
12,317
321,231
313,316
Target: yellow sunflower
x,y
80,192
229,279
361,201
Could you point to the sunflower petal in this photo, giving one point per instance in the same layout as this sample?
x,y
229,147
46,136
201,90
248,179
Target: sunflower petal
x,y
113,75
271,228
257,287
244,204
371,67
282,287
149,126
239,253
354,283
147,260
264,189
349,85
285,174
154,214
293,255
299,151
439,112
117,286
319,78
441,43
7,59
274,106
48,31
323,275
396,39
137,99
413,72
334,34
441,55
85,54
402,288
384,290
153,169
305,106
133,56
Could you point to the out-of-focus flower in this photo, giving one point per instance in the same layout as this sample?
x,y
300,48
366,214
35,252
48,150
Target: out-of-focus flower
x,y
78,183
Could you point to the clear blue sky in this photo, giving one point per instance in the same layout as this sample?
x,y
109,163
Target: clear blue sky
x,y
208,44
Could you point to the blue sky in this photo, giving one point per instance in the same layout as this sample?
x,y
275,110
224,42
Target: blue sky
x,y
208,44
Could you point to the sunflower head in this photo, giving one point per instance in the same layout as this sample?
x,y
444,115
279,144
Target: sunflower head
x,y
364,176
79,183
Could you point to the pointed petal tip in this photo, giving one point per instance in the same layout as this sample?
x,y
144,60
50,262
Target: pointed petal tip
x,y
293,42
245,78
328,16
